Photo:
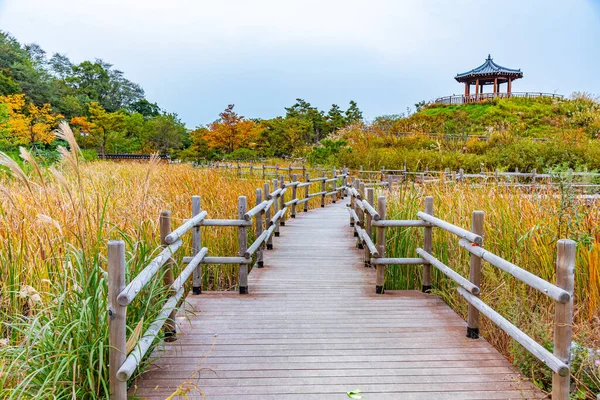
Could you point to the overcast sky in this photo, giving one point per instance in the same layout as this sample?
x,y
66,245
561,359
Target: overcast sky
x,y
194,57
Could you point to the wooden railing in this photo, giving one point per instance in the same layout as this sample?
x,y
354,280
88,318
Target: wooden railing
x,y
464,99
263,170
128,156
529,180
364,217
387,177
269,213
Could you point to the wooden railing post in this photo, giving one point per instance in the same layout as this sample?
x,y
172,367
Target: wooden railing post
x,y
294,195
475,277
276,171
276,205
196,246
243,245
282,200
390,182
563,316
334,197
380,245
306,191
427,246
267,190
259,230
323,189
345,181
263,171
165,229
356,185
368,226
361,214
117,314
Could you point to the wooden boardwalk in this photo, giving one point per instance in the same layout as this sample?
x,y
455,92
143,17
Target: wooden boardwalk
x,y
312,327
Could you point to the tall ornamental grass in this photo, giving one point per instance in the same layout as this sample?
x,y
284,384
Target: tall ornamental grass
x,y
522,228
54,227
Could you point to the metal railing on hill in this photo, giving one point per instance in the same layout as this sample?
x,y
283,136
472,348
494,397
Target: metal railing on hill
x,y
473,98
365,218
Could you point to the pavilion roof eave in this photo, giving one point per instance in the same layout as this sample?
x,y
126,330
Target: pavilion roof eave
x,y
489,76
489,69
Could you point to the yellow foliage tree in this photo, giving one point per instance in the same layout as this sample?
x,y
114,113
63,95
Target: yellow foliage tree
x,y
100,125
28,123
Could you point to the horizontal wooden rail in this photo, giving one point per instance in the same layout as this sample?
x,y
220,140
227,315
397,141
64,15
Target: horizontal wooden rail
x,y
225,222
289,203
398,261
274,194
449,272
255,210
219,260
135,357
394,223
139,282
369,208
316,194
531,345
254,246
189,224
550,290
362,234
187,271
458,231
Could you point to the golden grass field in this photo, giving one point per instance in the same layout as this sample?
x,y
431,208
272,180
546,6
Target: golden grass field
x,y
55,224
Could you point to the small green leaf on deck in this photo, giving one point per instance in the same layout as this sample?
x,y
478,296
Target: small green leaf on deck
x,y
355,394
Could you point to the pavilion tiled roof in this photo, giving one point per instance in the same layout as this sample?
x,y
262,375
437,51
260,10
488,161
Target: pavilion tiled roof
x,y
489,69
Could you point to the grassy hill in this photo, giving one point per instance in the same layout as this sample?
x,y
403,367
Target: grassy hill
x,y
503,133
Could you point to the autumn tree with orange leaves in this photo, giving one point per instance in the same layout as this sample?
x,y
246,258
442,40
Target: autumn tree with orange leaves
x,y
231,132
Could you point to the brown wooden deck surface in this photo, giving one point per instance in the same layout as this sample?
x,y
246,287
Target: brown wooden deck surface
x,y
312,327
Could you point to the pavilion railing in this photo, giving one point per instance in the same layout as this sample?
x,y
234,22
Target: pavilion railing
x,y
465,99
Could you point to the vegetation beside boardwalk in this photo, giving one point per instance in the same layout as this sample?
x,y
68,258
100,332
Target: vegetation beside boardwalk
x,y
54,228
522,228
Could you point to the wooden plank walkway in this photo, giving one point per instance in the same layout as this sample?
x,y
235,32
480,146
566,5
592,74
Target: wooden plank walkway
x,y
312,327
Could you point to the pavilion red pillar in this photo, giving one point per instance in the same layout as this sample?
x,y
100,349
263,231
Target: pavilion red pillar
x,y
467,88
508,88
477,89
495,86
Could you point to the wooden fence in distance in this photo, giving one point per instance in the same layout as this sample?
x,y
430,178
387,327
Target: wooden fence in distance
x,y
385,177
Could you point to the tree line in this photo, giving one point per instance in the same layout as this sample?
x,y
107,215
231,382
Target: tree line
x,y
108,112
